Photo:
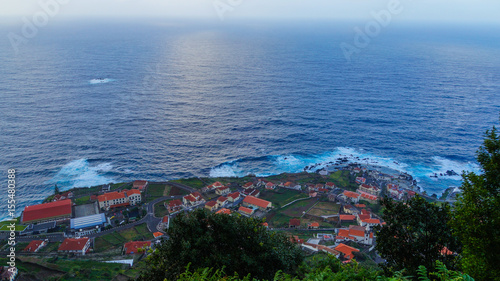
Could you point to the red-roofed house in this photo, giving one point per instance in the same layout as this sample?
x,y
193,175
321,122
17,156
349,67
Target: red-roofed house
x,y
62,196
222,201
370,189
78,246
296,239
174,205
232,197
313,193
347,251
133,247
255,193
263,205
330,185
211,205
294,223
215,185
318,186
192,199
265,224
351,196
355,233
248,185
35,245
222,190
118,199
360,205
365,212
343,218
245,211
313,225
360,180
53,211
368,197
270,185
164,222
369,223
158,234
140,185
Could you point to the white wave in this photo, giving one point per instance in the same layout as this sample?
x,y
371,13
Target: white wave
x,y
225,170
443,165
100,80
79,173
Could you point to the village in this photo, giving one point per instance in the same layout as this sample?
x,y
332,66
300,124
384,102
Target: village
x,y
331,211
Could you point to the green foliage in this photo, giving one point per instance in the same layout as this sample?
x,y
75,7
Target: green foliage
x,y
476,218
236,243
415,233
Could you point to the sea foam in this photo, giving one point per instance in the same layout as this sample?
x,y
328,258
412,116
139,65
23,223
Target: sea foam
x,y
79,173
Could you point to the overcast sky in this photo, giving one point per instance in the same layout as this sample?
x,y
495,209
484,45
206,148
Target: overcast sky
x,y
416,10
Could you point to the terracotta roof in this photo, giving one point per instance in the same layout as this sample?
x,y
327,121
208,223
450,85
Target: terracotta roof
x,y
222,188
234,195
248,184
360,205
48,210
288,183
369,186
369,196
372,221
196,195
211,204
256,202
351,194
446,252
140,183
224,211
134,246
133,191
110,196
270,184
363,217
245,210
313,224
365,212
175,203
217,184
265,224
73,244
157,234
330,184
165,219
222,199
346,250
360,180
319,185
294,222
190,198
33,246
347,217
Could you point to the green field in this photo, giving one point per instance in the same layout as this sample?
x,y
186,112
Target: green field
x,y
343,179
160,210
115,240
5,224
82,200
282,196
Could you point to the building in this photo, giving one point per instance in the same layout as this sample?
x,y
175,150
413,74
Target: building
x,y
53,211
248,185
394,191
369,223
355,233
165,222
369,197
246,211
233,197
62,196
174,205
348,218
294,223
211,206
270,185
133,247
158,234
330,185
360,180
349,209
350,196
88,224
79,246
192,199
251,201
35,245
215,185
222,201
119,199
370,189
313,225
347,251
222,190
140,185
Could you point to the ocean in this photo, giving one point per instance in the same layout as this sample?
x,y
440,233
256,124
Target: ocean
x,y
86,103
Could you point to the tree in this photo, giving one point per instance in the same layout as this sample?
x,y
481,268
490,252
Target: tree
x,y
202,239
415,233
56,190
476,216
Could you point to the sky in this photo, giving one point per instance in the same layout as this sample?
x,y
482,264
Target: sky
x,y
462,11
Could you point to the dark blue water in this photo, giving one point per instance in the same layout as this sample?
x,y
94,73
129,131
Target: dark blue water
x,y
184,99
